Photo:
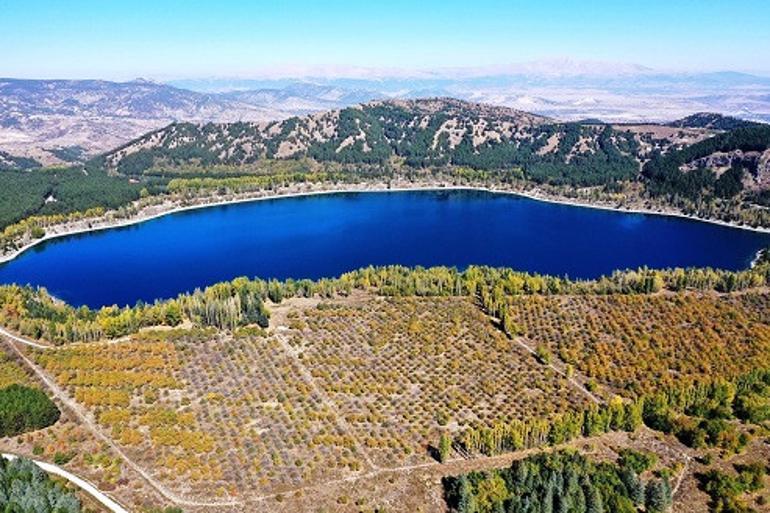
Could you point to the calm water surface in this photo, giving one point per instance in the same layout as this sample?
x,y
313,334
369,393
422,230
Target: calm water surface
x,y
318,236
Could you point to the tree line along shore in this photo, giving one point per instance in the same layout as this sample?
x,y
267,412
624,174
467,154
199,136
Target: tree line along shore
x,y
187,194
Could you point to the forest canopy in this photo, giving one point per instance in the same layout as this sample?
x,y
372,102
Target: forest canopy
x,y
25,488
25,409
560,481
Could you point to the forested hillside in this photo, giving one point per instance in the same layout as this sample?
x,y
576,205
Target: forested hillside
x,y
419,133
707,165
711,120
60,191
719,166
444,132
13,162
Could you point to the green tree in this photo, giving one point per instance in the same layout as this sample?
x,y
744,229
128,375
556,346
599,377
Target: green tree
x,y
444,447
491,492
25,409
466,502
657,497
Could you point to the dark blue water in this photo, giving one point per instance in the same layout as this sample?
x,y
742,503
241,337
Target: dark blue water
x,y
318,236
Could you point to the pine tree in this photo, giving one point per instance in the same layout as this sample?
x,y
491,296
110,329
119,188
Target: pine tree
x,y
656,499
594,501
467,501
634,486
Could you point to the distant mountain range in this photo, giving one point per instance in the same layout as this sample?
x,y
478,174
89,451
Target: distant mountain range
x,y
61,121
40,118
631,94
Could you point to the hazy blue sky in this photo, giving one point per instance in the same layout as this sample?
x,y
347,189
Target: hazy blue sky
x,y
193,38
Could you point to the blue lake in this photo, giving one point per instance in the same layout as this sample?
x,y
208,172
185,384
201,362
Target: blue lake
x,y
326,235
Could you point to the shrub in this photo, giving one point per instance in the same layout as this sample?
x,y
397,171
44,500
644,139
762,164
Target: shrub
x,y
62,458
726,491
638,461
543,354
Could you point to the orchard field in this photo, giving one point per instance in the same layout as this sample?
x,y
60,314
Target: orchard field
x,y
361,385
636,344
401,370
344,387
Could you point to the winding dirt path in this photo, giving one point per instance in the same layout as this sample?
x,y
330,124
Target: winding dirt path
x,y
85,418
682,475
8,335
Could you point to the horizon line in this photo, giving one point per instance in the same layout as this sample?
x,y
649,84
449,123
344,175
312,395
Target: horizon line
x,y
556,68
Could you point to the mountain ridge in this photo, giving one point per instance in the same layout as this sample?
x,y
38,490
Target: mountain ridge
x,y
75,119
40,117
418,133
711,120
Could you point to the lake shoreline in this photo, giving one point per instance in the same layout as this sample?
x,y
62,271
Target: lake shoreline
x,y
170,208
